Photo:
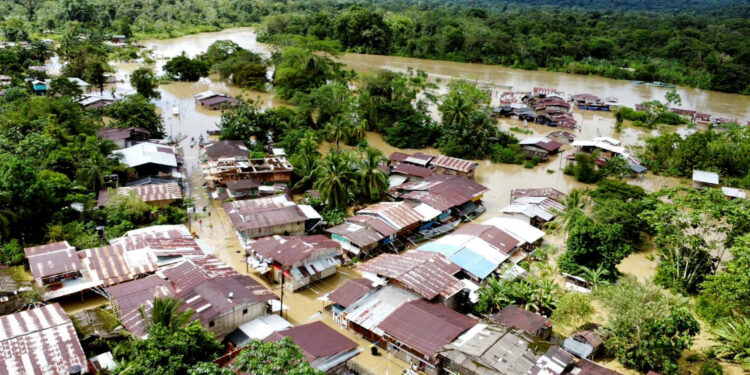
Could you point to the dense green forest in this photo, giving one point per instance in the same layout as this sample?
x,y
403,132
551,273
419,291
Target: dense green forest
x,y
704,45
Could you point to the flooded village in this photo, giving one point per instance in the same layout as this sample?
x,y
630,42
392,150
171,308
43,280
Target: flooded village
x,y
391,289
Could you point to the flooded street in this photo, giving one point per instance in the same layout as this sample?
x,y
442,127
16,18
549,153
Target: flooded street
x,y
308,305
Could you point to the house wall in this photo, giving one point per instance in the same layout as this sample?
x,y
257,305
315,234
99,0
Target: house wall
x,y
232,319
517,215
11,305
410,356
453,172
292,229
294,285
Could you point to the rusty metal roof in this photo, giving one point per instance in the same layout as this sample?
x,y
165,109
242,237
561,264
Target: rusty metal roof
x,y
288,250
491,234
263,212
47,248
50,262
452,163
131,295
359,235
427,273
317,340
111,264
375,223
147,193
398,214
516,317
452,190
162,240
426,327
226,149
39,341
412,170
398,156
215,297
551,193
350,292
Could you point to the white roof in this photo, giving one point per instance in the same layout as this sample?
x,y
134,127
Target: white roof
x,y
278,152
529,210
205,94
79,82
145,153
368,312
396,179
706,177
734,193
309,211
487,251
426,212
612,141
263,326
534,140
517,228
604,145
91,99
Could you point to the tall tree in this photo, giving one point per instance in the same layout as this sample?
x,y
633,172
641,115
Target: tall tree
x,y
281,357
335,179
145,83
165,312
372,180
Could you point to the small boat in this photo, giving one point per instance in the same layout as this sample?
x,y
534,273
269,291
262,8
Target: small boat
x,y
192,142
201,142
175,111
440,230
662,84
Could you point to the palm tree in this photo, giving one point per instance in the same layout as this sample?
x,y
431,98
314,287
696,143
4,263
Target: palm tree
x,y
456,108
574,205
337,130
335,179
733,340
165,312
308,145
360,131
596,276
305,168
372,180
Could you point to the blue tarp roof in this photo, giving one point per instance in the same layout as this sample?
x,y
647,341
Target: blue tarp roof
x,y
637,168
445,249
473,263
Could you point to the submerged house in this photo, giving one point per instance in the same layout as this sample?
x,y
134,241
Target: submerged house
x,y
126,137
221,298
304,259
418,330
150,159
532,323
453,166
703,179
541,147
159,195
455,196
323,347
349,293
274,215
490,349
356,239
428,274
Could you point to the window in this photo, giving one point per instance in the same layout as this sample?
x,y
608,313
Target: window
x,y
211,323
244,312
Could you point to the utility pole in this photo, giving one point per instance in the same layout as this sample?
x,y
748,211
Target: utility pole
x,y
283,278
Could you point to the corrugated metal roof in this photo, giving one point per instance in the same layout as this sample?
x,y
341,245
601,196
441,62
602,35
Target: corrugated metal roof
x,y
473,263
453,190
113,265
551,193
288,250
398,214
226,149
47,248
146,153
733,192
517,228
350,292
492,350
369,311
412,170
419,158
452,163
426,327
356,234
516,317
317,340
542,142
146,193
375,223
528,210
53,262
554,362
263,212
427,273
162,240
39,341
